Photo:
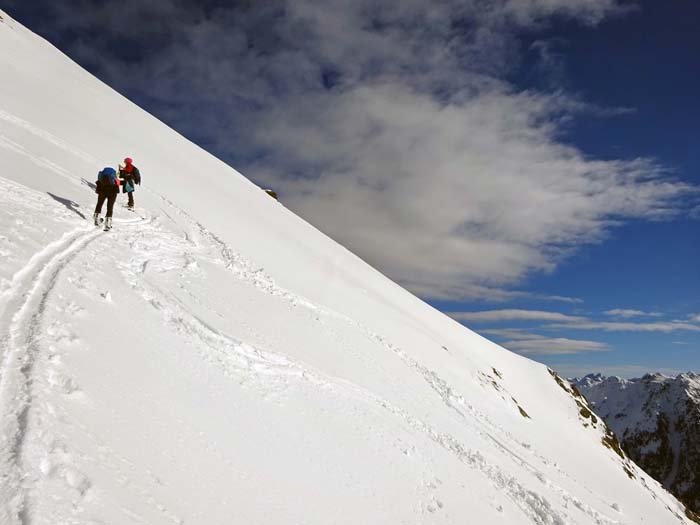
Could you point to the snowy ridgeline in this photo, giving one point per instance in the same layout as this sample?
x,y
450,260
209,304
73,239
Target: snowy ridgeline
x,y
657,419
215,359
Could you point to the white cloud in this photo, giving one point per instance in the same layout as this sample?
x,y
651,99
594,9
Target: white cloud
x,y
560,321
554,346
607,326
465,195
525,342
590,12
627,313
563,299
509,333
513,315
391,127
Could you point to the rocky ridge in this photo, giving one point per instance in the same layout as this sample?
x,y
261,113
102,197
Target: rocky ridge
x,y
657,420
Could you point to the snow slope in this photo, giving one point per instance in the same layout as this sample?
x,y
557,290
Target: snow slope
x,y
657,419
215,359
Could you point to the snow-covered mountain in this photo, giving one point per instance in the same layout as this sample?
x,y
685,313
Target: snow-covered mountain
x,y
657,419
214,359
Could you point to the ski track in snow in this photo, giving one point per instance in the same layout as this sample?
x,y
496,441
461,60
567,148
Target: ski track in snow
x,y
245,361
39,161
46,136
27,298
30,290
22,306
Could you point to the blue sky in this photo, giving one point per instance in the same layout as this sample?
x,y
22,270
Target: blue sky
x,y
530,167
646,61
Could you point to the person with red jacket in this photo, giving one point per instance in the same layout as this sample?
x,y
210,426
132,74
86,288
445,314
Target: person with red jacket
x,y
130,177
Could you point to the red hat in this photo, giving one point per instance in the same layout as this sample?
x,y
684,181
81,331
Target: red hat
x,y
128,160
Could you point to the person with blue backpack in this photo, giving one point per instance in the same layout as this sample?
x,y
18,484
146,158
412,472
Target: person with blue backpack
x,y
107,189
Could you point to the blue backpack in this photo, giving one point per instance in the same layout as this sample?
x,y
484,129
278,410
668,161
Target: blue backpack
x,y
108,176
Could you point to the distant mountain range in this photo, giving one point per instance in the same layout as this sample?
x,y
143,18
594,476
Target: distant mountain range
x,y
657,420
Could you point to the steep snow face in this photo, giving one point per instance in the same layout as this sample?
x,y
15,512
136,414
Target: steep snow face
x,y
657,419
215,359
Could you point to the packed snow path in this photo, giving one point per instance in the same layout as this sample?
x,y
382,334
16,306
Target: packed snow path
x,y
32,372
48,326
215,359
24,302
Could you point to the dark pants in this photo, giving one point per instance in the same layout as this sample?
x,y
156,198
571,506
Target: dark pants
x,y
110,198
131,199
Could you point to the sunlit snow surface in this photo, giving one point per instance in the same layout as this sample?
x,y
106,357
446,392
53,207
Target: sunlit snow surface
x,y
214,359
